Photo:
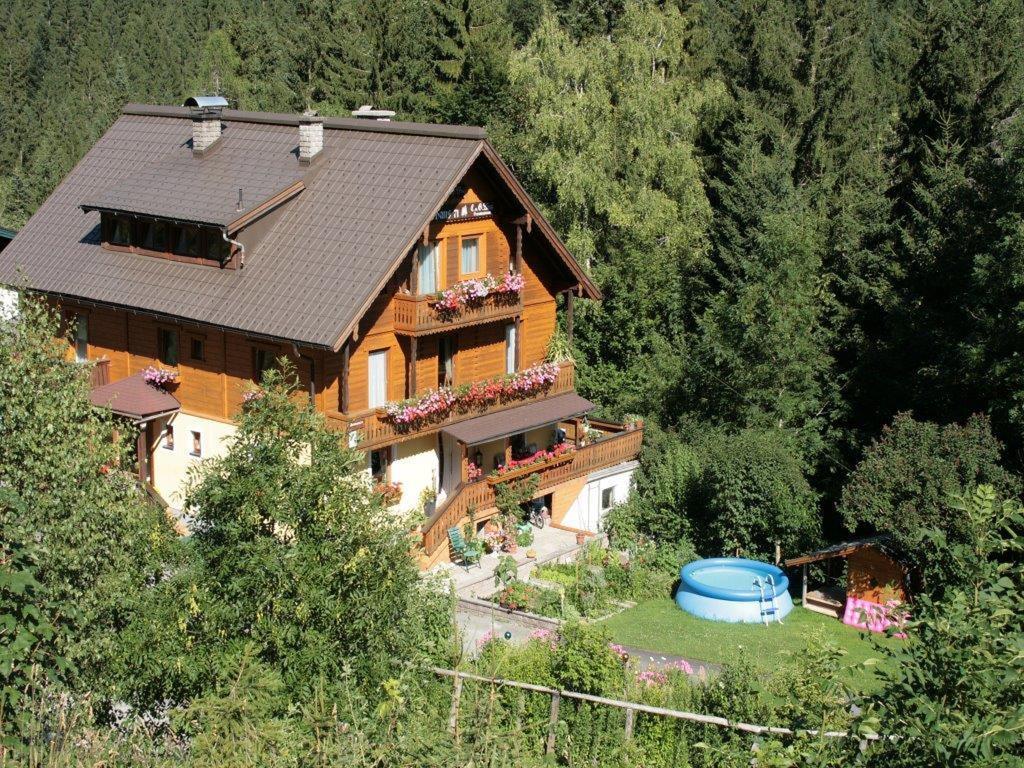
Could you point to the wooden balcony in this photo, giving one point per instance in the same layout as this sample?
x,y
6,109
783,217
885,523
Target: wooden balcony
x,y
616,446
373,430
416,316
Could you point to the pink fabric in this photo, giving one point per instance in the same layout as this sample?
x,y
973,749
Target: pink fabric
x,y
865,614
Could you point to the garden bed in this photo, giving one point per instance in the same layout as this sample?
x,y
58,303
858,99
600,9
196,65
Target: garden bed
x,y
598,585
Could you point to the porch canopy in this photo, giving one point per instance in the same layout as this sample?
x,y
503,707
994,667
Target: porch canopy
x,y
494,426
133,398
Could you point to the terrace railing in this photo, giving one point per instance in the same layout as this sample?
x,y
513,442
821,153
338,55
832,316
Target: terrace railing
x,y
375,430
607,451
416,315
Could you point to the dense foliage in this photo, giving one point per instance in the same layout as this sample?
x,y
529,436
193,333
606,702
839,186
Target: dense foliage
x,y
94,540
294,561
907,477
953,696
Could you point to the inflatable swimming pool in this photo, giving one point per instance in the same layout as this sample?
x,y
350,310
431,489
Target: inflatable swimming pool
x,y
734,589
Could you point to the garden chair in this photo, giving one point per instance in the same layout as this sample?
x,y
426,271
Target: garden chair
x,y
468,553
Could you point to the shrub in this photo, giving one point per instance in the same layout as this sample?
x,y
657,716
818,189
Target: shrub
x,y
585,661
516,596
904,483
751,492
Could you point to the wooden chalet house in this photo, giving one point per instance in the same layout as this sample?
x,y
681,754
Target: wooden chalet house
x,y
401,267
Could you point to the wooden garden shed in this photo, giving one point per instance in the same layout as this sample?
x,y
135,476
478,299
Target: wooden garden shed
x,y
874,575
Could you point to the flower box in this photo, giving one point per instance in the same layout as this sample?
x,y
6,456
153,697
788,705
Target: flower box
x,y
521,470
472,293
439,404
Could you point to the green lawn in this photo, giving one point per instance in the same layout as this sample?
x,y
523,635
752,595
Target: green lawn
x,y
660,625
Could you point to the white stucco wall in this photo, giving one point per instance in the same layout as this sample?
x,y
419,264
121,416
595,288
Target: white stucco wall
x,y
170,468
586,513
415,465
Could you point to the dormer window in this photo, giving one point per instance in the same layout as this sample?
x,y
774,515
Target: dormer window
x,y
153,235
181,242
121,231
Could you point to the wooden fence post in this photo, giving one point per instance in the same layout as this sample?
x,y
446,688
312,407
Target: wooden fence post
x,y
630,716
556,701
453,716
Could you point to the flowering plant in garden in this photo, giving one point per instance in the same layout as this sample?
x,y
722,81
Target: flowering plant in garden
x,y
654,677
546,636
391,493
516,596
537,458
619,651
438,404
159,377
470,293
251,396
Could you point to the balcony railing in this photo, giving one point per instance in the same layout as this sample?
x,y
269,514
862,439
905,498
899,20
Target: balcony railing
x,y
607,451
99,373
416,315
374,430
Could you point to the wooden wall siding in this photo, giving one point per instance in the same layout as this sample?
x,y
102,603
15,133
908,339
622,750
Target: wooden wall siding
x,y
211,387
873,575
537,327
214,387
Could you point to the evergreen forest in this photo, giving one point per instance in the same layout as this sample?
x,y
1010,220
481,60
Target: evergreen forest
x,y
807,221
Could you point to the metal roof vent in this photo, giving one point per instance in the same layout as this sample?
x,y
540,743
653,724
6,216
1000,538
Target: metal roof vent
x,y
206,126
205,102
367,112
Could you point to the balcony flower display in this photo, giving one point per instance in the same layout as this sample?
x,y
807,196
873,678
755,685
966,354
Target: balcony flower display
x,y
161,378
439,404
539,457
471,293
474,472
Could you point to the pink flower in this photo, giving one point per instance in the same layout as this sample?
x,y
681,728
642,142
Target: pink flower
x,y
159,377
545,636
487,637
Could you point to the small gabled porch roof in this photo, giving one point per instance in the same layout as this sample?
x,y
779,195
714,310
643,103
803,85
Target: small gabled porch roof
x,y
495,426
133,398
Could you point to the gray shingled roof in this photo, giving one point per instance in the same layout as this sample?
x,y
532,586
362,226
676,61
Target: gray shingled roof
x,y
134,397
205,190
312,275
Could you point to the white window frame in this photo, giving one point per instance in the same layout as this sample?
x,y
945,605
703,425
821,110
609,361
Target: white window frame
x,y
477,269
192,441
377,391
81,337
428,254
511,347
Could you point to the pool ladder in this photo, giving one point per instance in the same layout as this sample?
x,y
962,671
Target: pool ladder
x,y
769,607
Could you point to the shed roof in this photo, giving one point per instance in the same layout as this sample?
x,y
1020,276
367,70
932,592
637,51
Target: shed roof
x,y
134,398
841,549
322,262
493,426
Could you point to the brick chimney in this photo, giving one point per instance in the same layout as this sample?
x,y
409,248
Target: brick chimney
x,y
206,127
311,136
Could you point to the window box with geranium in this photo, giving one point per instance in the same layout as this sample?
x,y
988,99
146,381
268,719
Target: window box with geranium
x,y
543,459
472,293
161,378
439,404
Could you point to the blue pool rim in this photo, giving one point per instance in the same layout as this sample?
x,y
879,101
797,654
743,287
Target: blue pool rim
x,y
686,575
734,605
